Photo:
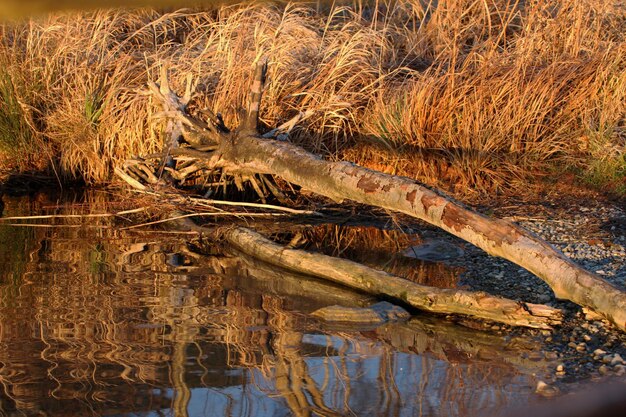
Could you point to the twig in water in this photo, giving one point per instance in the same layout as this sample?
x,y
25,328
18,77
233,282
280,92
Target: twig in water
x,y
256,205
74,216
225,213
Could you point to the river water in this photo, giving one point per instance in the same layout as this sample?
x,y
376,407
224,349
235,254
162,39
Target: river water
x,y
96,320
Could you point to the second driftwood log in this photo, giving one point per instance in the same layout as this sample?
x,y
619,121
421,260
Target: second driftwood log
x,y
360,277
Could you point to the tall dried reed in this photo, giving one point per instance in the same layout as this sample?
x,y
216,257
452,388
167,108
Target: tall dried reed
x,y
463,92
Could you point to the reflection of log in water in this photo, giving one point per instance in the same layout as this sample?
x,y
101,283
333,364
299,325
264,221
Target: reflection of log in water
x,y
456,344
182,393
119,336
182,334
453,344
422,335
300,292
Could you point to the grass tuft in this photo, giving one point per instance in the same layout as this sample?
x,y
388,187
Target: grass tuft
x,y
458,93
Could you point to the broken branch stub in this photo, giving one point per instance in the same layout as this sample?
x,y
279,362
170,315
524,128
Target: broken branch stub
x,y
243,151
251,122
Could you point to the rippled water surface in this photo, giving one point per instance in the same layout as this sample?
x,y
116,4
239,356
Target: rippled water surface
x,y
95,320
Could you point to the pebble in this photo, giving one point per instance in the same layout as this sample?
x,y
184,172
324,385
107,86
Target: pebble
x,y
617,360
560,370
599,353
546,390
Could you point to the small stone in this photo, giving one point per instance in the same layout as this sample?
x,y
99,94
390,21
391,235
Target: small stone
x,y
617,360
546,390
560,368
607,358
581,347
572,345
603,370
599,353
586,338
550,355
620,370
376,314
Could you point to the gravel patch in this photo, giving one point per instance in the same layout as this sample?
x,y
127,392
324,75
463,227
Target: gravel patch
x,y
592,235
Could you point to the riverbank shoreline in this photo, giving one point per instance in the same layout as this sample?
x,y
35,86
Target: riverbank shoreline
x,y
588,228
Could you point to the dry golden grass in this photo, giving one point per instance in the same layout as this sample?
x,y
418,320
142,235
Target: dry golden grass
x,y
456,92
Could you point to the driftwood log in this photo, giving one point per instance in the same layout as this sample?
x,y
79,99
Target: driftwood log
x,y
360,277
245,153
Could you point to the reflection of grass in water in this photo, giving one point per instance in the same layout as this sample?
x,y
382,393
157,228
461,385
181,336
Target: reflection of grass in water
x,y
15,244
97,259
380,249
105,339
108,341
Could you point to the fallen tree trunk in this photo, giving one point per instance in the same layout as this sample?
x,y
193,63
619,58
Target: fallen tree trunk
x,y
422,336
244,153
372,281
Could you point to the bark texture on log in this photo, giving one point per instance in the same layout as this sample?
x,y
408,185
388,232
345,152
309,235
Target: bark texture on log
x,y
361,277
